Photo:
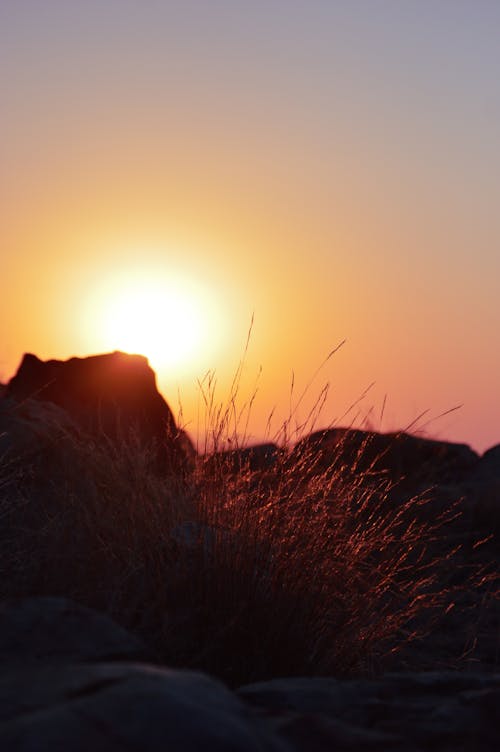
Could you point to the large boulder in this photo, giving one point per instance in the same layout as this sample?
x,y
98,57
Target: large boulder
x,y
112,395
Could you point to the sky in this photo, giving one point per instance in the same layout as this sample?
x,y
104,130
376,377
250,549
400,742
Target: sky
x,y
331,169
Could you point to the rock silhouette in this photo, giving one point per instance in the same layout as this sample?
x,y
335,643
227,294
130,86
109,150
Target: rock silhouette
x,y
255,458
114,395
398,455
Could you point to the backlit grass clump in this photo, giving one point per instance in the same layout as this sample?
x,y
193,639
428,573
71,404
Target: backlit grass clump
x,y
289,569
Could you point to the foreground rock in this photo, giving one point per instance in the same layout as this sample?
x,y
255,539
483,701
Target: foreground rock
x,y
67,683
114,707
57,630
114,395
124,707
430,711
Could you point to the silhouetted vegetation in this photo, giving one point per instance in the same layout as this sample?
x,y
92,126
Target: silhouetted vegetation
x,y
247,573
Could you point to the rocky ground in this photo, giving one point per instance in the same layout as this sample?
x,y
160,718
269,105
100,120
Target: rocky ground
x,y
73,679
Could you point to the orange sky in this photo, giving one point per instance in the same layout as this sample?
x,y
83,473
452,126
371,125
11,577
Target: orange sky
x,y
331,169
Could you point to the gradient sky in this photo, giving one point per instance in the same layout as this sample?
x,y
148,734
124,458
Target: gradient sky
x,y
331,167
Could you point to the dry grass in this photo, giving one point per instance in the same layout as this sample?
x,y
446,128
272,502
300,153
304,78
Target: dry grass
x,y
248,574
318,576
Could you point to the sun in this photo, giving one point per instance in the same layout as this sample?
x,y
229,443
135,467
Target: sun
x,y
159,323
169,319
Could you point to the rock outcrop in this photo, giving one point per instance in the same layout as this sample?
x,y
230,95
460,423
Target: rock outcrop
x,y
112,395
397,455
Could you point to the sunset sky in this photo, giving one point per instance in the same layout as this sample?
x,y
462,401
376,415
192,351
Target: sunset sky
x,y
168,169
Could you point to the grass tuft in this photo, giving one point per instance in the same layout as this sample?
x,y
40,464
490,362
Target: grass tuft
x,y
298,567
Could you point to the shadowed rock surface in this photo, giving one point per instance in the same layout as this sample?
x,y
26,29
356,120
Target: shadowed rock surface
x,y
406,711
67,682
32,429
113,394
256,458
397,455
57,630
116,707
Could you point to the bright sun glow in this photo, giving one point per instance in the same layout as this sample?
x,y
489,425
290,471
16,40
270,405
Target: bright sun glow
x,y
172,321
161,324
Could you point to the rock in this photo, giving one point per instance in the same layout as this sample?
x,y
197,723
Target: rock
x,y
57,630
483,504
39,444
64,685
256,458
404,711
114,707
43,459
490,461
71,680
30,429
113,394
396,455
481,490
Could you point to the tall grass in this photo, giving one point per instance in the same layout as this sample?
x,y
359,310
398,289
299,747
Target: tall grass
x,y
313,572
291,568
